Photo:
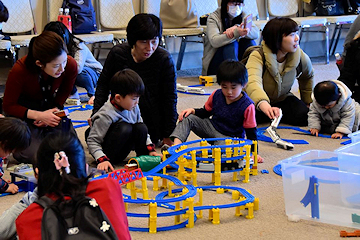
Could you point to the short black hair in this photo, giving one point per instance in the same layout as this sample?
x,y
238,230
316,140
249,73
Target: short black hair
x,y
4,13
232,71
225,16
326,92
275,29
15,135
126,82
143,26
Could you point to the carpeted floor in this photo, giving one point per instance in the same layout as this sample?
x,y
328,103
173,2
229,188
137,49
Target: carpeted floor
x,y
270,221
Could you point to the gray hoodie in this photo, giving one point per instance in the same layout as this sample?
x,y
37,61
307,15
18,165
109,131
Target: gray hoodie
x,y
343,117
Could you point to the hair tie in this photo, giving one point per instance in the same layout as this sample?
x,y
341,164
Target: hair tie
x,y
61,161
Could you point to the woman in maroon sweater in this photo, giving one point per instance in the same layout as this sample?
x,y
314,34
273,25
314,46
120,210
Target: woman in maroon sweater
x,y
37,86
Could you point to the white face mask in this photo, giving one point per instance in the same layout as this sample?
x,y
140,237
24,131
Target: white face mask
x,y
234,11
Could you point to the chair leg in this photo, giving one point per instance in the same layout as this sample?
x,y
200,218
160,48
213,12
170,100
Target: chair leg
x,y
181,53
327,60
337,40
333,35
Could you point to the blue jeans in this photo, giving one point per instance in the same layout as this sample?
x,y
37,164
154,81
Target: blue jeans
x,y
87,79
234,50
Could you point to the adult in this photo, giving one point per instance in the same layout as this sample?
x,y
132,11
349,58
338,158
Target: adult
x,y
4,16
89,68
354,29
37,86
226,36
273,70
155,66
350,72
62,174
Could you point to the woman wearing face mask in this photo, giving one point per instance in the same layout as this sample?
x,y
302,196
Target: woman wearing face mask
x,y
226,37
273,70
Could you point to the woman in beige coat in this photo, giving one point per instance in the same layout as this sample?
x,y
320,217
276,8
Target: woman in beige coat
x,y
272,72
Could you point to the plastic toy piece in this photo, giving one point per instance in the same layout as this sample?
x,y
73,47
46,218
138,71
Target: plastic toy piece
x,y
271,130
124,176
356,233
277,169
264,171
188,89
312,196
355,218
207,80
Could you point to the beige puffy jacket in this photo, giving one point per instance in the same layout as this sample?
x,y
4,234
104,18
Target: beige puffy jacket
x,y
273,86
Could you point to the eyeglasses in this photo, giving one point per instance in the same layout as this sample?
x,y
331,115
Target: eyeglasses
x,y
236,3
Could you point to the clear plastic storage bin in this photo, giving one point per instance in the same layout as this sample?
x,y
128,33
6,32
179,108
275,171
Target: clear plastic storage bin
x,y
323,186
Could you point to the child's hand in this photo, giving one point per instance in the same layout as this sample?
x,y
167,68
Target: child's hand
x,y
260,159
314,131
154,153
12,189
105,166
167,141
337,135
186,113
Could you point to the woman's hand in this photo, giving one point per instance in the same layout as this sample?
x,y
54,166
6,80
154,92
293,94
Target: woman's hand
x,y
242,31
186,113
314,131
268,110
47,118
230,31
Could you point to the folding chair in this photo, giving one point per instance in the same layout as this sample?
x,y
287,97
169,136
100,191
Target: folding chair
x,y
94,38
7,49
340,22
203,7
289,8
21,21
114,17
251,7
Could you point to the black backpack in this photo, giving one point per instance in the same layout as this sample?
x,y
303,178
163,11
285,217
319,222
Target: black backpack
x,y
78,218
82,14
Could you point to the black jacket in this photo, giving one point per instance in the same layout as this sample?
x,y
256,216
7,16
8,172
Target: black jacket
x,y
350,73
158,104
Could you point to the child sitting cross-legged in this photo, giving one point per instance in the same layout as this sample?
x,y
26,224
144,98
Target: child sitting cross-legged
x,y
333,110
107,145
232,112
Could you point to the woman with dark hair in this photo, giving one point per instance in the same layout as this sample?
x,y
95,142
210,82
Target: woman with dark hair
x,y
62,174
272,72
156,68
89,68
226,36
37,86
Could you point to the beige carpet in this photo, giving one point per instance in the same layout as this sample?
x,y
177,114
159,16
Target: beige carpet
x,y
270,221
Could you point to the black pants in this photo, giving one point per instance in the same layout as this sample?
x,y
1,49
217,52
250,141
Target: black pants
x,y
123,137
294,112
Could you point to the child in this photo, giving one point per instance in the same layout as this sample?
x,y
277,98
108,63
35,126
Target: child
x,y
14,136
60,178
113,142
333,110
232,111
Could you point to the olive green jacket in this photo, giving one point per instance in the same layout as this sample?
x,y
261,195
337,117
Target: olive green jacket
x,y
266,83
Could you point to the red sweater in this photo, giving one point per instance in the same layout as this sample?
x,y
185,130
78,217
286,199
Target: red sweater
x,y
23,84
108,195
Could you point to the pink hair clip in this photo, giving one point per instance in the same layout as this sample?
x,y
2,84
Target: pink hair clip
x,y
61,161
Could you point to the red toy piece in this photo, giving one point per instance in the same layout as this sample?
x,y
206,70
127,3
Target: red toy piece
x,y
124,176
356,233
